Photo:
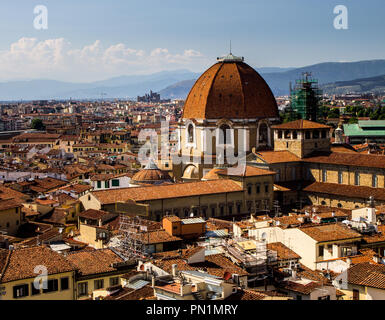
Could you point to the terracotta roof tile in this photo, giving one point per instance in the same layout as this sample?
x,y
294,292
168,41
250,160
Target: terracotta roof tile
x,y
299,287
156,236
330,232
349,191
94,262
216,264
367,274
278,156
167,191
6,204
351,159
94,214
21,263
245,171
146,292
301,124
283,252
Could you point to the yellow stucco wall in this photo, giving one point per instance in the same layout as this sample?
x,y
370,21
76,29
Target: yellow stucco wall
x,y
56,295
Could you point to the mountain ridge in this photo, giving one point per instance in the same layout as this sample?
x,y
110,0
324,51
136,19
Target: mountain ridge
x,y
362,85
326,72
177,83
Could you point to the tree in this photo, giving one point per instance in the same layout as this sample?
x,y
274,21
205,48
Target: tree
x,y
334,113
37,124
353,120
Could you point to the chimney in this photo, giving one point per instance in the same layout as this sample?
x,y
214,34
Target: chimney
x,y
349,262
153,281
181,289
301,219
174,270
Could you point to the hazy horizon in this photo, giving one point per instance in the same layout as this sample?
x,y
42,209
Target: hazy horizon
x,y
91,41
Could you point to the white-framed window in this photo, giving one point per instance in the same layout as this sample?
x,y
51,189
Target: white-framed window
x,y
20,291
190,133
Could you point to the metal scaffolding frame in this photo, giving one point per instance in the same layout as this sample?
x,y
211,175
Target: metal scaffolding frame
x,y
305,97
131,245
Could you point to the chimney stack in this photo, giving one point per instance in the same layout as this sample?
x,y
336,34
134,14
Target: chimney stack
x,y
174,270
349,262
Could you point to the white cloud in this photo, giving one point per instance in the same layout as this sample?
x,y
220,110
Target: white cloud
x,y
58,59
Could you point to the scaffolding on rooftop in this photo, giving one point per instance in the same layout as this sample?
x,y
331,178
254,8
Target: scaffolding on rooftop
x,y
305,97
131,245
256,258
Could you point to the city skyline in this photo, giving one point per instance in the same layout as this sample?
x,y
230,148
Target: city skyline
x,y
87,42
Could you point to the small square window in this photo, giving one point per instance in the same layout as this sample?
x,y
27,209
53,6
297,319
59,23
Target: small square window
x,y
114,281
34,291
64,283
20,291
82,289
99,284
52,286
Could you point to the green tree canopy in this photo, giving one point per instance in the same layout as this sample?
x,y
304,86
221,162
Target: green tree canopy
x,y
37,124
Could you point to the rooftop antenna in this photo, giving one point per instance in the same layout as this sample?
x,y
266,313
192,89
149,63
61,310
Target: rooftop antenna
x,y
230,47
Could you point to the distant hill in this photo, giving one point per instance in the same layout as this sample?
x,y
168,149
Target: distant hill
x,y
177,83
177,90
279,81
365,85
118,87
272,69
326,73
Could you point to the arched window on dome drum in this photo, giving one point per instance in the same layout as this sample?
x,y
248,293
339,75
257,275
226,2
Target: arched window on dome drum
x,y
225,137
190,131
263,133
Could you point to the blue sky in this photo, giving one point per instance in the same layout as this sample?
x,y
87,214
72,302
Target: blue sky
x,y
91,40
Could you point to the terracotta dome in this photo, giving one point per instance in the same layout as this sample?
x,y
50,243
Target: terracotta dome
x,y
230,89
151,174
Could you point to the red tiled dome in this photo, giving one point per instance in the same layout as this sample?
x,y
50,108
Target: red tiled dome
x,y
230,89
151,174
